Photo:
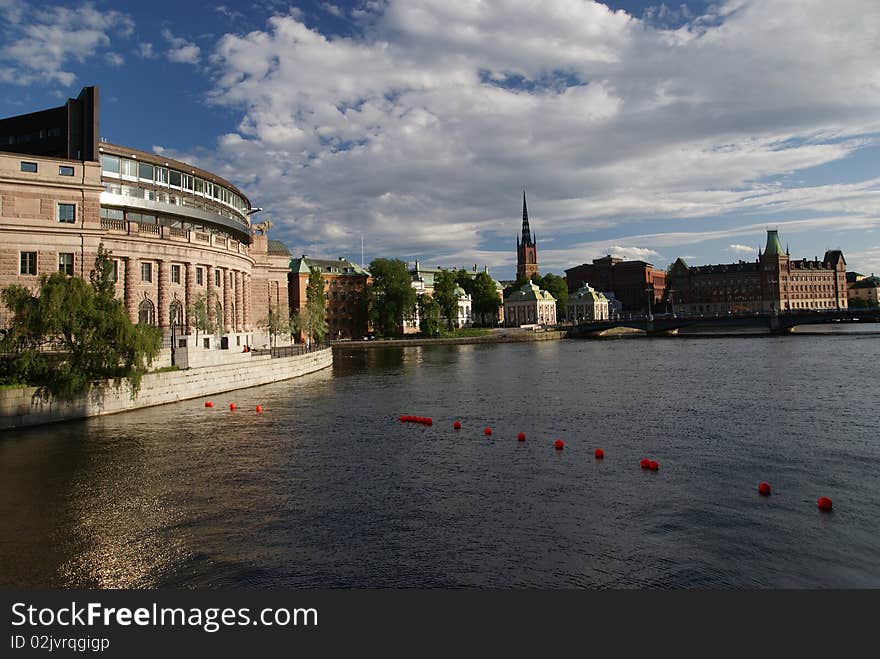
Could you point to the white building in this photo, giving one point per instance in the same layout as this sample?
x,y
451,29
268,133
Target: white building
x,y
529,305
587,305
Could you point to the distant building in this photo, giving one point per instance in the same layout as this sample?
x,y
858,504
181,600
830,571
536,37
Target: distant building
x,y
866,290
633,283
423,283
529,305
772,282
586,305
345,290
615,307
526,248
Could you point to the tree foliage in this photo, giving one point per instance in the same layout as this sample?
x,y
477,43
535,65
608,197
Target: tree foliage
x,y
466,280
429,316
392,297
199,317
445,295
311,320
484,299
72,333
275,324
557,287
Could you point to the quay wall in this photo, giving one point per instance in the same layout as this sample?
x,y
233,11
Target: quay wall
x,y
510,337
22,407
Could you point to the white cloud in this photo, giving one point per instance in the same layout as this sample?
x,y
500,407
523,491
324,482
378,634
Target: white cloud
x,y
419,134
145,50
114,59
42,43
742,249
181,51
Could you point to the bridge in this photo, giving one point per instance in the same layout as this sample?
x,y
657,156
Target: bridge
x,y
776,323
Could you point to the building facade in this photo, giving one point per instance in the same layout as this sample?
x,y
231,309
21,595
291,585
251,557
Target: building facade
x,y
526,248
633,283
423,283
177,234
345,294
865,290
773,282
586,305
529,305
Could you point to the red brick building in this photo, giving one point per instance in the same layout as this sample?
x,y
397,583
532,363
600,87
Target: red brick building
x,y
632,282
345,291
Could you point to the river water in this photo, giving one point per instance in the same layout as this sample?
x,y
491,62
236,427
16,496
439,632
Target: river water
x,y
327,488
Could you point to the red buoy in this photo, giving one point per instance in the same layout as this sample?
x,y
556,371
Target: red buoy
x,y
559,444
457,425
644,463
259,408
599,453
429,421
232,406
521,437
209,403
653,465
487,431
764,489
824,503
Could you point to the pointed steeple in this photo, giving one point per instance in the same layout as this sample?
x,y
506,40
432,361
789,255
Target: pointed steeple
x,y
526,232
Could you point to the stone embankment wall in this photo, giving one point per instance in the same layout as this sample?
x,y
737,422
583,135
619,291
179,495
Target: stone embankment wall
x,y
508,337
20,407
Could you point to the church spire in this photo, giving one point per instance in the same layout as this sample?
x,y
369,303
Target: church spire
x,y
526,232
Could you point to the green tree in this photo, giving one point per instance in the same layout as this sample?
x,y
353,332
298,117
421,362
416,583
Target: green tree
x,y
392,297
429,316
558,288
484,299
199,317
446,297
275,325
311,320
72,333
464,279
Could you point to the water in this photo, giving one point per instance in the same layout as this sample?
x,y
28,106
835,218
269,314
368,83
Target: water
x,y
328,489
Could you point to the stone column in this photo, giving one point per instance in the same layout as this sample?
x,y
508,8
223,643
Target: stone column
x,y
129,266
246,294
211,302
162,297
227,299
189,294
239,301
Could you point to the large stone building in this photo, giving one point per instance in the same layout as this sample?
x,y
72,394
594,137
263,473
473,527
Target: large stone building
x,y
345,291
176,233
526,248
772,282
638,285
529,305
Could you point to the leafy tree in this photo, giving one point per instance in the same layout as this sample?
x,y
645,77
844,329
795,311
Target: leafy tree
x,y
445,295
484,299
311,320
275,325
464,279
72,333
392,297
558,288
429,316
199,317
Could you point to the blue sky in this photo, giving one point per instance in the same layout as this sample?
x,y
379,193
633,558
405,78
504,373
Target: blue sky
x,y
638,129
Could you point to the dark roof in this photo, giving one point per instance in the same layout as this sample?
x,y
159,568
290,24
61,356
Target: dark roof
x,y
328,266
742,266
868,282
277,247
852,277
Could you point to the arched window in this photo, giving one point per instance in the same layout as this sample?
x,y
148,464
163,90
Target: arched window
x,y
146,313
175,313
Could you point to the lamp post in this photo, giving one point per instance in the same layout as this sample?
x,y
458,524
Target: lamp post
x,y
173,338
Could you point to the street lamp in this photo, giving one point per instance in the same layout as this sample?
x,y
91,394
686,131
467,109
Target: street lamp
x,y
173,337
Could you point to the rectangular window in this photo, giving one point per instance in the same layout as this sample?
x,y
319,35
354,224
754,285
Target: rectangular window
x,y
217,278
30,167
200,281
115,270
146,272
65,263
65,170
112,213
200,186
174,178
145,171
161,176
110,164
28,263
187,182
129,168
67,213
175,274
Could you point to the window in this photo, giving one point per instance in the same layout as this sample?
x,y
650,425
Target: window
x,y
28,263
146,272
174,177
110,164
146,313
65,263
129,168
175,274
115,270
217,278
200,280
67,213
161,176
30,167
145,171
65,170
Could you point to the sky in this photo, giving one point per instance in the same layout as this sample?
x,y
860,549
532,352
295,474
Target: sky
x,y
640,129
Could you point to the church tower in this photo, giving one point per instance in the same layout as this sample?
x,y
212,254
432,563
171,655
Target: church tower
x,y
526,248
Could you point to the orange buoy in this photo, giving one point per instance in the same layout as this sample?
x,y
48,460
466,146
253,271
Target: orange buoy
x,y
487,431
259,408
521,437
653,465
457,425
824,503
232,406
599,453
644,463
764,489
559,444
209,403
